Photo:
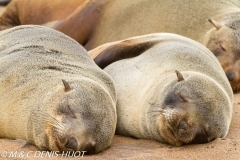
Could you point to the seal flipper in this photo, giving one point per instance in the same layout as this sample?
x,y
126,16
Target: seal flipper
x,y
9,18
80,24
122,50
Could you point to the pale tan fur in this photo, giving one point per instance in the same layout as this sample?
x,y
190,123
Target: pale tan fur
x,y
123,19
190,18
143,84
33,62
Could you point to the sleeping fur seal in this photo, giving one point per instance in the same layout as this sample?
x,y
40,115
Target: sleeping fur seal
x,y
52,94
170,89
124,19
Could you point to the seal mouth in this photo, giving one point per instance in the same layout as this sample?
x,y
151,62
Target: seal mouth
x,y
170,131
53,143
56,142
58,146
61,143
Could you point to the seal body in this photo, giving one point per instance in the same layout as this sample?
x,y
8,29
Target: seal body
x,y
187,18
52,94
21,12
93,23
75,18
194,106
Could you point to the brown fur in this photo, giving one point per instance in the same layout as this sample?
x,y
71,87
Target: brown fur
x,y
127,49
76,18
20,12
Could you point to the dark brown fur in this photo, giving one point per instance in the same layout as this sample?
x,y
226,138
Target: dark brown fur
x,y
72,16
126,49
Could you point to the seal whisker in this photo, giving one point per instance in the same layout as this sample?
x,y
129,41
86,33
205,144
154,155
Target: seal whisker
x,y
50,119
156,111
56,123
169,114
60,132
154,104
50,126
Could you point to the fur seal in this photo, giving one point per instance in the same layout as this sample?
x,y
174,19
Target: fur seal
x,y
187,18
57,14
93,23
52,94
170,89
224,41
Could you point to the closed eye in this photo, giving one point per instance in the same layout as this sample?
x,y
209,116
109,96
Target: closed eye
x,y
67,110
71,111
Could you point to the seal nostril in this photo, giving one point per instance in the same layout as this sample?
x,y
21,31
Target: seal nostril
x,y
230,75
72,144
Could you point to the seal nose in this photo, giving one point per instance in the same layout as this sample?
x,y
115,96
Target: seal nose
x,y
230,75
72,144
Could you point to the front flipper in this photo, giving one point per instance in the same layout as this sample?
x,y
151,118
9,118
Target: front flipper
x,y
115,51
82,22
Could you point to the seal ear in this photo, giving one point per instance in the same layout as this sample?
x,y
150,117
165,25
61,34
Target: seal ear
x,y
216,24
179,75
66,86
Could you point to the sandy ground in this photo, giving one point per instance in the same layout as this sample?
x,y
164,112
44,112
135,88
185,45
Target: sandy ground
x,y
227,148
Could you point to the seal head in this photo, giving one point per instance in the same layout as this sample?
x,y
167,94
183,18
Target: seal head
x,y
223,40
185,115
78,122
